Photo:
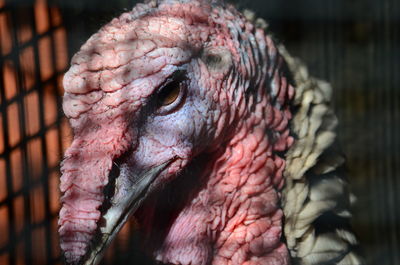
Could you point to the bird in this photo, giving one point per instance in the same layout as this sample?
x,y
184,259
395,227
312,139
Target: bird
x,y
189,116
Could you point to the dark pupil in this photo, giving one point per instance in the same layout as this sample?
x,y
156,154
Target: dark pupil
x,y
169,93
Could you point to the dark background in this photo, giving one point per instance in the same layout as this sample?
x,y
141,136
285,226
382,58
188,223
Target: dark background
x,y
353,44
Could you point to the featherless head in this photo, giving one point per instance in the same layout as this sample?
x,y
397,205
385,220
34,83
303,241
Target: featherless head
x,y
185,99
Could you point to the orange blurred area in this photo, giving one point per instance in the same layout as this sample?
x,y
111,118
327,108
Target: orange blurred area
x,y
4,226
45,58
60,38
37,204
41,16
19,214
27,65
24,31
9,79
13,126
3,183
31,106
1,134
16,170
5,33
54,195
33,134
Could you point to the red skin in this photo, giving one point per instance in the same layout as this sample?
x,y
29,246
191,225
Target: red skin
x,y
234,217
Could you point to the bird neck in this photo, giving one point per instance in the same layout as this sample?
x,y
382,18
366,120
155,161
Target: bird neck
x,y
236,216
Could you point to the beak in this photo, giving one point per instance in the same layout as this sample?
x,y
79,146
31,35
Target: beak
x,y
119,212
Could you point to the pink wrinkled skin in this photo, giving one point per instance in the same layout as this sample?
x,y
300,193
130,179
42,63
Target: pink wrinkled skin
x,y
236,115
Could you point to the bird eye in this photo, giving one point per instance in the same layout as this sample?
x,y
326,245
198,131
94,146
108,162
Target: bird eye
x,y
171,95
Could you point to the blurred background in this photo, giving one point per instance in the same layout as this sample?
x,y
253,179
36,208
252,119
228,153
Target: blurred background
x,y
353,44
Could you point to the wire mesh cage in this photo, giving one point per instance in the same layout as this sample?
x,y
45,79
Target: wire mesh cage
x,y
32,61
352,44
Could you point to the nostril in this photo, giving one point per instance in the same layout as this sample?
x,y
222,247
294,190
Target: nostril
x,y
110,189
